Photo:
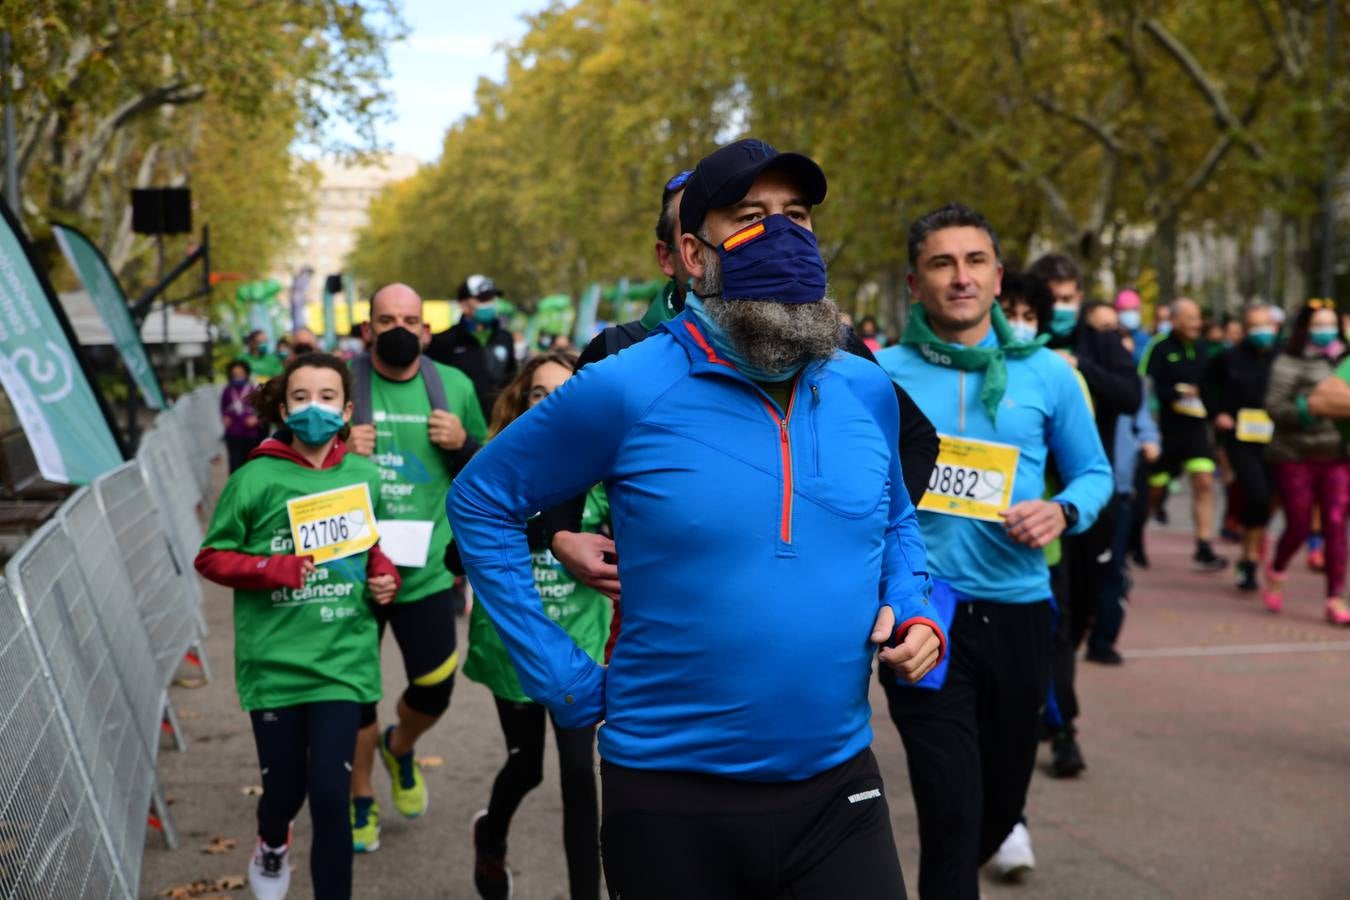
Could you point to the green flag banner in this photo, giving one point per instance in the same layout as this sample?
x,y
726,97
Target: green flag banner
x,y
106,294
57,408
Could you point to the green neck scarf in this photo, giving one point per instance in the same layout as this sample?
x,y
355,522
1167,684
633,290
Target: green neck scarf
x,y
991,359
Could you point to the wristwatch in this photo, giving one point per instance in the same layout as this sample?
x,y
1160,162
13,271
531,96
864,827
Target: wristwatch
x,y
1070,513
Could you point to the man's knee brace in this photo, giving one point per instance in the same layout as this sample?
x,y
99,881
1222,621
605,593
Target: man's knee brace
x,y
429,694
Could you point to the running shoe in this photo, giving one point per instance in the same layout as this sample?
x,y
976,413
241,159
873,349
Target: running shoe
x,y
1273,593
1014,858
1067,759
365,825
1206,560
269,871
491,877
1106,656
1337,611
1246,579
409,788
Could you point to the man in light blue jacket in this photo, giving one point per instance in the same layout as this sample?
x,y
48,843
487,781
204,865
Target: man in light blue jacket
x,y
1004,410
767,548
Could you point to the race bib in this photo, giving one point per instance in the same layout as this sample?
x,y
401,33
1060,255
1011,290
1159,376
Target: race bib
x,y
972,479
406,543
1189,406
1254,426
333,524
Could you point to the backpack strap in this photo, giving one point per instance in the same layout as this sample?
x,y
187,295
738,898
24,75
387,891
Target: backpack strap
x,y
617,337
361,411
435,387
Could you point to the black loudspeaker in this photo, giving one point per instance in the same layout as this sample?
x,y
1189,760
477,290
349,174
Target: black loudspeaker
x,y
161,210
333,284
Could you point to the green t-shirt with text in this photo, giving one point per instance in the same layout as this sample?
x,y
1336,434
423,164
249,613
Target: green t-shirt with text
x,y
414,479
306,645
583,612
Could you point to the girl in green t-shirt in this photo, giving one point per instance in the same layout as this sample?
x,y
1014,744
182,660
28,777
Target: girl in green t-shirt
x,y
584,614
306,652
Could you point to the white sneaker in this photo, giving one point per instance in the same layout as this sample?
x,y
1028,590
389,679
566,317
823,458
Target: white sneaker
x,y
1014,859
269,871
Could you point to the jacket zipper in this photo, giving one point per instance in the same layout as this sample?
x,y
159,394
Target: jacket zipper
x,y
815,434
961,402
785,448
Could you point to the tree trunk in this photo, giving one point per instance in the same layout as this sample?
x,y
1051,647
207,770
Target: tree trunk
x,y
1165,238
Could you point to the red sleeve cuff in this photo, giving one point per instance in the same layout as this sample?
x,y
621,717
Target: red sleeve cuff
x,y
903,628
378,564
244,571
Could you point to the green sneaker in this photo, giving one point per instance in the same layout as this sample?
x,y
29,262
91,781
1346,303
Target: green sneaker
x,y
365,825
409,790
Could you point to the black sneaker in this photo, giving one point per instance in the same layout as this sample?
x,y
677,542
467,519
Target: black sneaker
x,y
1107,656
1246,578
491,877
1067,759
1206,560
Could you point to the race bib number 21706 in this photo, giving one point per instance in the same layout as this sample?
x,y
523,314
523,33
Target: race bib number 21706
x,y
333,524
972,479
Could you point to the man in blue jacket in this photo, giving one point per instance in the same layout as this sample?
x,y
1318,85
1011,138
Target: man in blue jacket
x,y
1003,409
766,547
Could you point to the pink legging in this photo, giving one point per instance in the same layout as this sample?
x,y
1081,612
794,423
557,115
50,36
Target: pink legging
x,y
1303,484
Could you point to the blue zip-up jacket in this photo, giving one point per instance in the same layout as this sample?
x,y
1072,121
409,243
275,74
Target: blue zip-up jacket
x,y
755,549
1132,432
1044,412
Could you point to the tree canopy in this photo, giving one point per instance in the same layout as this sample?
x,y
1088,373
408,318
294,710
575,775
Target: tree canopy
x,y
1103,128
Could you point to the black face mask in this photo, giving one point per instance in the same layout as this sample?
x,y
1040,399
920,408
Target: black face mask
x,y
398,346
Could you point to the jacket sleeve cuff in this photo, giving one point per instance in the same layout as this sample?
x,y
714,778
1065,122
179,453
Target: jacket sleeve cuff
x,y
1305,417
903,628
378,564
247,572
582,703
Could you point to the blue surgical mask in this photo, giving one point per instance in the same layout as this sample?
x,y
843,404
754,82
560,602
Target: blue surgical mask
x,y
1323,336
774,259
485,314
1261,338
1130,318
314,423
1022,332
1165,328
1063,320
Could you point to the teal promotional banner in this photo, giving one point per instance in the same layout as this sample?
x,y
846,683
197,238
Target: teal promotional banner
x,y
106,295
60,414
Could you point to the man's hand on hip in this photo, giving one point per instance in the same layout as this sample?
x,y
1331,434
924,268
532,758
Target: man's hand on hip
x,y
1034,523
446,430
583,554
915,655
362,440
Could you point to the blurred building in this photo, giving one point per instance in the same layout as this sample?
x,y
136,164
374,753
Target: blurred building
x,y
341,207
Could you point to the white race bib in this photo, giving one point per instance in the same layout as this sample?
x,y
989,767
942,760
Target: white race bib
x,y
406,542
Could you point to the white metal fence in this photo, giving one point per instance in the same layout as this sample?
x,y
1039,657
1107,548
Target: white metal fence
x,y
97,612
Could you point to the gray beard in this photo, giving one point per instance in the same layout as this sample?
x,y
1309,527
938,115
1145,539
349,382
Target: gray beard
x,y
769,335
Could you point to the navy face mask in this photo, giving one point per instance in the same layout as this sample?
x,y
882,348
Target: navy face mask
x,y
774,259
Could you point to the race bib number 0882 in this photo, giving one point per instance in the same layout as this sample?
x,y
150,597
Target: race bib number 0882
x,y
972,479
333,524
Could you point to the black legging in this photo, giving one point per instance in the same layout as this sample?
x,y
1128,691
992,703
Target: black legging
x,y
308,749
523,728
1253,475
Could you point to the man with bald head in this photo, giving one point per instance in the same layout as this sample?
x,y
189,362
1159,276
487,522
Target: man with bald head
x,y
1177,363
420,422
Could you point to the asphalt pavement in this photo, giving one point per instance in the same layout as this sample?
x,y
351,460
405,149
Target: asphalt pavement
x,y
1218,766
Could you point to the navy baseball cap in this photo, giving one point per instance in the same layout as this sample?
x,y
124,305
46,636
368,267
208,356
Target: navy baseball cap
x,y
725,176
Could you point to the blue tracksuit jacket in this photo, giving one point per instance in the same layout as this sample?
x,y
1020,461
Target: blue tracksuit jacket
x,y
1045,413
754,550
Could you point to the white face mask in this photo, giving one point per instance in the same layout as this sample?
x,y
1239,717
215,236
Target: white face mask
x,y
1023,332
1129,318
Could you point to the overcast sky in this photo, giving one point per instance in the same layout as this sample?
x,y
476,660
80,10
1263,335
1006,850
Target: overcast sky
x,y
435,71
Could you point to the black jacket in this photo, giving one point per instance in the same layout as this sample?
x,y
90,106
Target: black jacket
x,y
489,366
1236,379
1112,380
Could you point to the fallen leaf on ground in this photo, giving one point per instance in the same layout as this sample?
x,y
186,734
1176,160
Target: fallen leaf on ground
x,y
231,883
431,762
220,845
252,790
189,682
8,846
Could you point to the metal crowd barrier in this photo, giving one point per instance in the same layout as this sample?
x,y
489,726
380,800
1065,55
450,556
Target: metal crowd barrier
x,y
56,842
97,612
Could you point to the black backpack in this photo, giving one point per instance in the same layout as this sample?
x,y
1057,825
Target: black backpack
x,y
360,366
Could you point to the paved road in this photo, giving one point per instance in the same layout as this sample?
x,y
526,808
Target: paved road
x,y
1218,760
